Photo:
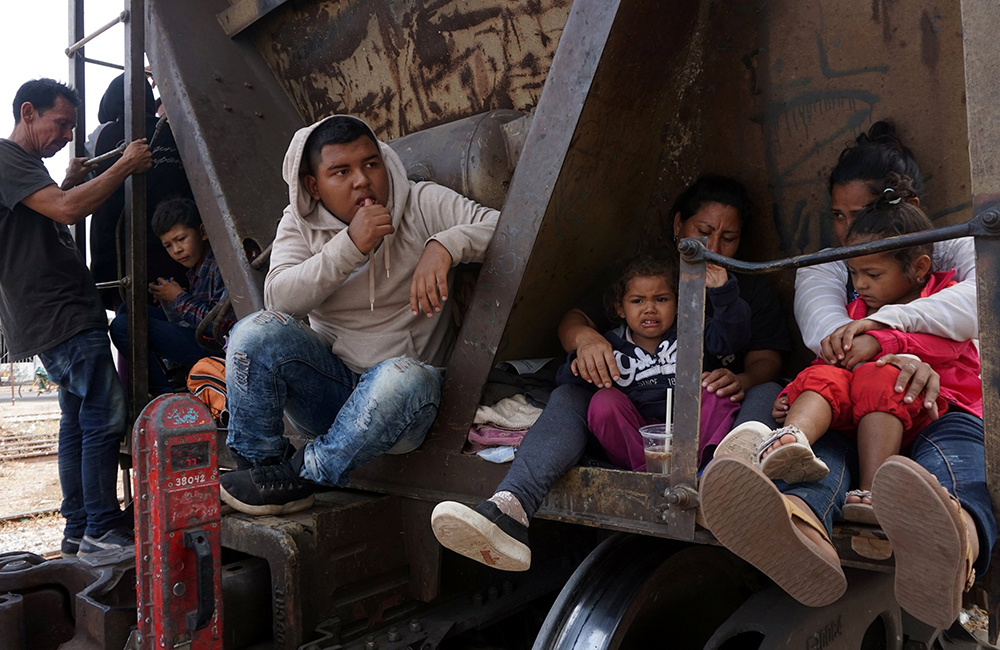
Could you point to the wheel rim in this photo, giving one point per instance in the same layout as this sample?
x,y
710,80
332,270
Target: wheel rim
x,y
634,591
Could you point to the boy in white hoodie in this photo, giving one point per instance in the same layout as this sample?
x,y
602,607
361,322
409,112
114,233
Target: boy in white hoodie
x,y
365,255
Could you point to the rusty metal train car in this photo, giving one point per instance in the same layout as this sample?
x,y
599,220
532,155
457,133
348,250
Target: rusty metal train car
x,y
581,120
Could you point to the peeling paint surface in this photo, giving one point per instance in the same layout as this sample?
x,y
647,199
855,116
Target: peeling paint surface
x,y
407,65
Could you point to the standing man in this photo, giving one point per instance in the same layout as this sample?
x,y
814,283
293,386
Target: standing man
x,y
49,305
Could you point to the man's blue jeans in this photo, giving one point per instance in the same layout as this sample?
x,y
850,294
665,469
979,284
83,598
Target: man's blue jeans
x,y
951,449
92,426
170,341
275,364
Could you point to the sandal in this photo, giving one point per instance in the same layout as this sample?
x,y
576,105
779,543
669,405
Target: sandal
x,y
861,512
929,537
743,441
794,462
749,516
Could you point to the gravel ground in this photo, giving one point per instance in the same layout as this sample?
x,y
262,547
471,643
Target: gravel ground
x,y
31,484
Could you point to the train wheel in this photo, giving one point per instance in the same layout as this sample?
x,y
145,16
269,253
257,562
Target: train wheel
x,y
637,592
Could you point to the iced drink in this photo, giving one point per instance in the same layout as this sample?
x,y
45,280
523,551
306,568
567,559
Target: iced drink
x,y
657,444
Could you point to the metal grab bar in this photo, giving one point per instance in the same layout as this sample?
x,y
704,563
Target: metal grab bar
x,y
120,149
75,47
984,224
114,284
682,495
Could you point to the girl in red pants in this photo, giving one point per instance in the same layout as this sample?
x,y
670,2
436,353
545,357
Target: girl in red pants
x,y
859,399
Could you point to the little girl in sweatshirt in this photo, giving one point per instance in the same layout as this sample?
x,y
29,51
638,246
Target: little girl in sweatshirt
x,y
644,297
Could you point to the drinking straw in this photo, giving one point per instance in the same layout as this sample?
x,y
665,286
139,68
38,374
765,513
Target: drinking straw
x,y
670,399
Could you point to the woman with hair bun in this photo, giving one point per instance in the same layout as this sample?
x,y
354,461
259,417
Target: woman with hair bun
x,y
822,292
932,500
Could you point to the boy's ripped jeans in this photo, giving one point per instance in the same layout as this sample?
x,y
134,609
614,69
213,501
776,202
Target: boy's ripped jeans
x,y
276,365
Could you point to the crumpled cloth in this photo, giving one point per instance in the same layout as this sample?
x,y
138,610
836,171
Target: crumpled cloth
x,y
512,413
497,454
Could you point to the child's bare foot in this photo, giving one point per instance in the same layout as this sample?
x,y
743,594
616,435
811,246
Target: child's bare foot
x,y
858,507
865,497
786,439
787,455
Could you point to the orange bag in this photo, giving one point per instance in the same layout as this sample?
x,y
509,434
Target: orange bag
x,y
207,382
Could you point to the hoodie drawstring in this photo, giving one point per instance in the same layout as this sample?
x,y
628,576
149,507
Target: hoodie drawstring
x,y
371,271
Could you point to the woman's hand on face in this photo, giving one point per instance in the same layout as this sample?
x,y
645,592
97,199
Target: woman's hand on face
x,y
920,378
715,276
595,361
836,346
780,410
723,383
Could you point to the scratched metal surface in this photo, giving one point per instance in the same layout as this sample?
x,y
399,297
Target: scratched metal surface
x,y
769,93
408,64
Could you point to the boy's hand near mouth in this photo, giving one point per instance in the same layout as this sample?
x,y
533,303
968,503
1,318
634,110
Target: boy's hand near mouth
x,y
369,225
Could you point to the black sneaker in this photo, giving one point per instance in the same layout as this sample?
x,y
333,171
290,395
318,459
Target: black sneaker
x,y
114,538
70,547
243,463
269,489
483,534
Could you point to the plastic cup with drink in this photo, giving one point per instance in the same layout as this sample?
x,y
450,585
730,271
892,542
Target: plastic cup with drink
x,y
657,441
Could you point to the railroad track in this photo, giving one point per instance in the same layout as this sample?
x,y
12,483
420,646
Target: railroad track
x,y
30,514
14,446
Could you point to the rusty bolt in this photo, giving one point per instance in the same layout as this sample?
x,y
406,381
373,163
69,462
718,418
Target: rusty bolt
x,y
682,497
991,220
415,625
370,643
393,635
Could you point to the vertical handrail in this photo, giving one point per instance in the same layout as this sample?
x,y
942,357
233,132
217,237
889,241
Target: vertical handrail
x,y
682,496
980,22
135,202
77,79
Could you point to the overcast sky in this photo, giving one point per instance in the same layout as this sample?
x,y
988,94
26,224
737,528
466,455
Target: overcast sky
x,y
35,37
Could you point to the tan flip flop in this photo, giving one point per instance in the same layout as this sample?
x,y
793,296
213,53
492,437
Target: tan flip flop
x,y
792,463
750,517
743,441
929,537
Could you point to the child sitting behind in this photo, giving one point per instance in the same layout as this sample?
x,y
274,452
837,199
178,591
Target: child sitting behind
x,y
177,223
859,399
645,347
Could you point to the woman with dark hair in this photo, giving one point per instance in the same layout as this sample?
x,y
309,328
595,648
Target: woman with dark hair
x,y
932,502
823,292
496,531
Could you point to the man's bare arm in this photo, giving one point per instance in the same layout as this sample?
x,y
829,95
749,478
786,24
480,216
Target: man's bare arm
x,y
73,205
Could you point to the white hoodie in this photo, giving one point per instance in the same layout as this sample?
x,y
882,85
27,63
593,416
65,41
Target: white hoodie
x,y
360,303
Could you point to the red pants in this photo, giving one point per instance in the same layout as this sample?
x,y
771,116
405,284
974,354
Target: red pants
x,y
853,395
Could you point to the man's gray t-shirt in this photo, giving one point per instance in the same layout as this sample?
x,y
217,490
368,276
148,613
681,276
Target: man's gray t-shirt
x,y
47,294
